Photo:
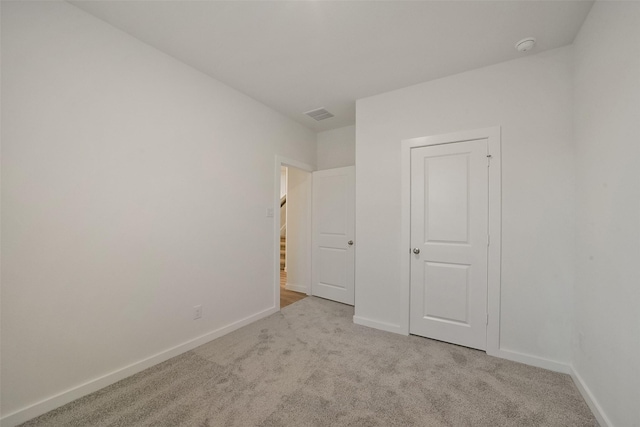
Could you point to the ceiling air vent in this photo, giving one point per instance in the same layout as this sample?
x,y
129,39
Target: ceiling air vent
x,y
319,114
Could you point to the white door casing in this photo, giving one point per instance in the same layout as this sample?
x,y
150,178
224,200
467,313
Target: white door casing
x,y
449,201
333,265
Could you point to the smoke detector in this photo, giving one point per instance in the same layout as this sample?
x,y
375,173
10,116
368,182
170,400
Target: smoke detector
x,y
526,44
319,114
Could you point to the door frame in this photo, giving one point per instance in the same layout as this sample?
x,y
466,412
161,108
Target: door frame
x,y
493,137
281,161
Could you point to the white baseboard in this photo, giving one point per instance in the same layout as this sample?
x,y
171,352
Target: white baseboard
x,y
389,327
296,288
46,405
50,403
563,368
527,359
515,356
593,404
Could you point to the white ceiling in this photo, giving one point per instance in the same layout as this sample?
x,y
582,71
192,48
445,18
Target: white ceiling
x,y
296,56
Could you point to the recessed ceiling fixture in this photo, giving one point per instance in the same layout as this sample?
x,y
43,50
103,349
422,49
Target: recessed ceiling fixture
x,y
526,44
319,114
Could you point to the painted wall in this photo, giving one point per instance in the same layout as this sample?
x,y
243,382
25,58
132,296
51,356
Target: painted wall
x,y
298,230
531,99
606,341
337,148
132,186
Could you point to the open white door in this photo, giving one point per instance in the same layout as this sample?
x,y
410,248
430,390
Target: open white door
x,y
449,238
333,269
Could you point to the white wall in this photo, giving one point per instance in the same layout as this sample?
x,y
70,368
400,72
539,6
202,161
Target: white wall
x,y
337,148
298,230
531,99
606,342
131,187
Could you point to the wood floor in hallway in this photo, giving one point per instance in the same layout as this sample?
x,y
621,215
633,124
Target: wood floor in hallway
x,y
288,297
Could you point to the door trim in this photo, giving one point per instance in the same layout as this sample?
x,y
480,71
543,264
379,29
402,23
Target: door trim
x,y
493,137
281,161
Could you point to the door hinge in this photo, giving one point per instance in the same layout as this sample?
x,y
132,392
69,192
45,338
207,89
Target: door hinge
x,y
487,318
488,239
488,160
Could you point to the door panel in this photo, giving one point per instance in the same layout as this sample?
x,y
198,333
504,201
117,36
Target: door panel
x,y
332,267
333,227
449,214
446,198
332,193
447,296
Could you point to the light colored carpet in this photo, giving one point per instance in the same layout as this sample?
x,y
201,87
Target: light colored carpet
x,y
309,365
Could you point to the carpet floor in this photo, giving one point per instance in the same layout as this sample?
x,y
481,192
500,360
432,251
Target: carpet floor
x,y
309,365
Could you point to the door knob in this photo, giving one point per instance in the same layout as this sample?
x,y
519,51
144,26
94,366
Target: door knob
x,y
350,243
416,251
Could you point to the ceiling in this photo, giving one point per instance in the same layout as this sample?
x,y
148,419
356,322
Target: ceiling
x,y
296,56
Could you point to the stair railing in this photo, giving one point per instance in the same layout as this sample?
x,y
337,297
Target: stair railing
x,y
283,215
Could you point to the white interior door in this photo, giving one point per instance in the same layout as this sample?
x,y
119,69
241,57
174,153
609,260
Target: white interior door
x,y
333,266
449,238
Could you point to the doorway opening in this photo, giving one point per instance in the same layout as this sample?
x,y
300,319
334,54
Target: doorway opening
x,y
292,232
293,223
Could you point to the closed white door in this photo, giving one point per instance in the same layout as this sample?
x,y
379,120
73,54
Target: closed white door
x,y
449,238
333,266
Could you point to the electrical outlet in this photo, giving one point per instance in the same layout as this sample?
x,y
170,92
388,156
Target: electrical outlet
x,y
197,312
